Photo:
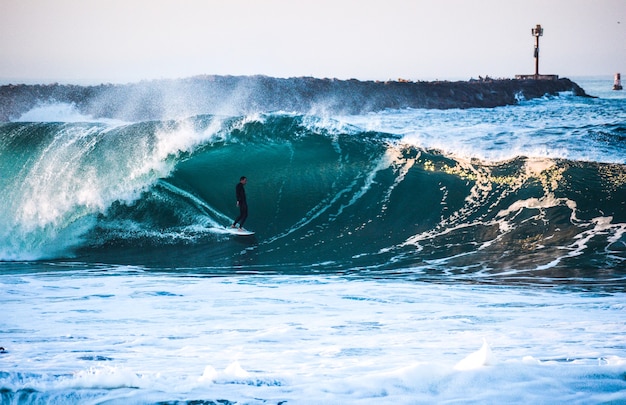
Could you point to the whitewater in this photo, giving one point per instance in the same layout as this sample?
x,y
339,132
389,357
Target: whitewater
x,y
404,256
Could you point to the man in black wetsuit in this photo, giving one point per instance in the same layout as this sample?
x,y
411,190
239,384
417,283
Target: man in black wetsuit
x,y
241,202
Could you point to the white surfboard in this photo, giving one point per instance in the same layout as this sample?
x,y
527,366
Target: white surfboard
x,y
239,231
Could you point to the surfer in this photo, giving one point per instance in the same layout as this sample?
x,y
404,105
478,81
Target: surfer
x,y
241,202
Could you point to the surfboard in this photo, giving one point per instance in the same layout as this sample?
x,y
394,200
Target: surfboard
x,y
238,231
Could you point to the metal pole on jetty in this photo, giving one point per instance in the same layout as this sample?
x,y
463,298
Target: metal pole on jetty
x,y
537,32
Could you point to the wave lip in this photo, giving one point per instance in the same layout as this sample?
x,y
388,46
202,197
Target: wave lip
x,y
62,177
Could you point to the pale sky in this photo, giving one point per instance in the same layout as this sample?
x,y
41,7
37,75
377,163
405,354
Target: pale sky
x,y
120,41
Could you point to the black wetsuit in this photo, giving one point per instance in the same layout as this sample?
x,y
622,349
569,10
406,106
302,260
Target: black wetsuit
x,y
243,205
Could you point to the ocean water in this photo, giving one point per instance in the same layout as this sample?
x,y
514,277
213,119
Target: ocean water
x,y
403,256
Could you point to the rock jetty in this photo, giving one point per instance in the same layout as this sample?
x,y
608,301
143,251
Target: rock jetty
x,y
238,95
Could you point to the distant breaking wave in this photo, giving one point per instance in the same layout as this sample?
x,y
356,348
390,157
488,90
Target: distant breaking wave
x,y
322,196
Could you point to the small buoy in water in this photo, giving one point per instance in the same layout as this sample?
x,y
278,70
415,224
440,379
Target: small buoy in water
x,y
617,84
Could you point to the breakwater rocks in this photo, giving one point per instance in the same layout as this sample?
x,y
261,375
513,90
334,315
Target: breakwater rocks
x,y
236,95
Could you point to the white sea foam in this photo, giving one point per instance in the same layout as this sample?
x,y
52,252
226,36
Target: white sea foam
x,y
535,129
480,358
126,335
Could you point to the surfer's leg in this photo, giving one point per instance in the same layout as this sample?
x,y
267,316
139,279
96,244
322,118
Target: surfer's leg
x,y
244,214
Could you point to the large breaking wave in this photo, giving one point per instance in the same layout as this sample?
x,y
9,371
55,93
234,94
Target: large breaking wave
x,y
323,197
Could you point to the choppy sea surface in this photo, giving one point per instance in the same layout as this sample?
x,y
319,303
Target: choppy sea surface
x,y
405,256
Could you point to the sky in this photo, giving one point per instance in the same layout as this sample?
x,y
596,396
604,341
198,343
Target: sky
x,y
122,41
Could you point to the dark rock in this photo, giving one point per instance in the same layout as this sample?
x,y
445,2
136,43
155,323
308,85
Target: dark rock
x,y
237,95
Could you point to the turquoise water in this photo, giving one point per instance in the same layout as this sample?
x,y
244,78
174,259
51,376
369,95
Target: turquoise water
x,y
389,247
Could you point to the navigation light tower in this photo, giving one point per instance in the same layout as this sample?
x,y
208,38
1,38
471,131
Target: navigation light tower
x,y
537,32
